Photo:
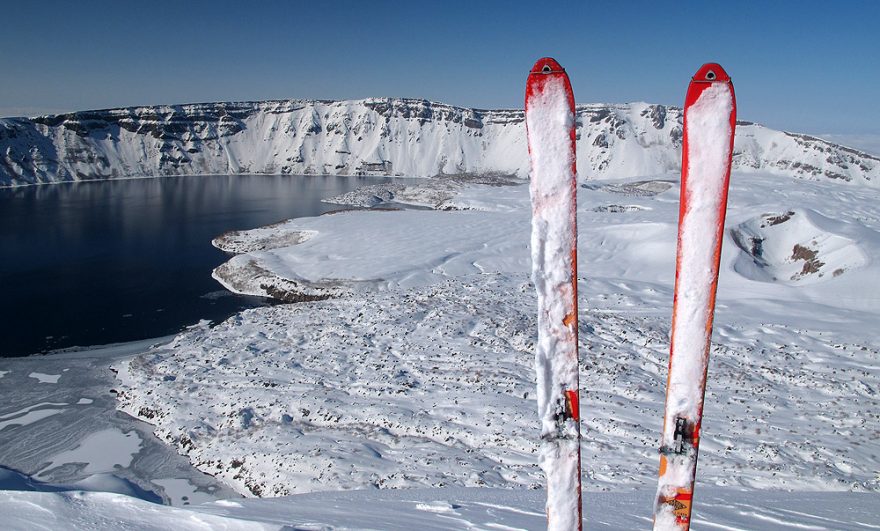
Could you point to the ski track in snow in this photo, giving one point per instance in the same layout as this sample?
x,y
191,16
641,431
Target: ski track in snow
x,y
429,381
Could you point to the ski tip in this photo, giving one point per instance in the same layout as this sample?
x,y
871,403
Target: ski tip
x,y
547,65
711,73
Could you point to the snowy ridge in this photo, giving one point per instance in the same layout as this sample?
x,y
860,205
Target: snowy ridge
x,y
379,136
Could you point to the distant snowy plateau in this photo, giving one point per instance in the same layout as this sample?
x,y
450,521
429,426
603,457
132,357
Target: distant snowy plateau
x,y
406,359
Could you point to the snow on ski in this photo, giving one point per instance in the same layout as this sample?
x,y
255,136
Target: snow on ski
x,y
550,126
709,122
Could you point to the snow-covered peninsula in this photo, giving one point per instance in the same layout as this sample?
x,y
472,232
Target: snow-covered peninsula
x,y
380,136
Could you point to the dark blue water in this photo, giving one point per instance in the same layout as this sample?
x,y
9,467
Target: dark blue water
x,y
103,262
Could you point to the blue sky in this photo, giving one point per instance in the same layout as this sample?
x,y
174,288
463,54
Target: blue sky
x,y
801,66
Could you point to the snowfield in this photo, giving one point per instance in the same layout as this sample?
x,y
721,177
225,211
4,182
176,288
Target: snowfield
x,y
398,392
433,510
418,370
434,387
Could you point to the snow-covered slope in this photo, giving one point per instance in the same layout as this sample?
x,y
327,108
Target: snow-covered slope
x,y
430,510
420,374
405,137
418,370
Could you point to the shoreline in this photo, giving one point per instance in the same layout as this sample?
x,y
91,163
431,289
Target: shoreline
x,y
177,175
62,426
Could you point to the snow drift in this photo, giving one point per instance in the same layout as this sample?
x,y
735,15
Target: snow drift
x,y
404,137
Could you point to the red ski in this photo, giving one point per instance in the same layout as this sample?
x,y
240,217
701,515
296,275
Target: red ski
x,y
550,125
709,124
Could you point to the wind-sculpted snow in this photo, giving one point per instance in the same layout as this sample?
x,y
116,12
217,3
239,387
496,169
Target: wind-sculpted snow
x,y
403,137
434,387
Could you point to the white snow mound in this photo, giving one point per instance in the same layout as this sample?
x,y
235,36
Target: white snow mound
x,y
794,247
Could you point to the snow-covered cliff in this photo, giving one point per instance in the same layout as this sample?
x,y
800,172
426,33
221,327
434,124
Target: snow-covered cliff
x,y
403,137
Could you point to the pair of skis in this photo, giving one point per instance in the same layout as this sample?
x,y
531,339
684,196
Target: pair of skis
x,y
709,122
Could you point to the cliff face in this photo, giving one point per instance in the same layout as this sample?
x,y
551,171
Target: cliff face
x,y
403,137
